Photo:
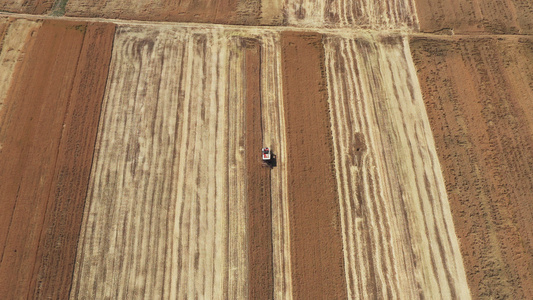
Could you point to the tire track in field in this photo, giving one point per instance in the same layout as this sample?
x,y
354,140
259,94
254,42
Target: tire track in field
x,y
162,218
389,14
399,238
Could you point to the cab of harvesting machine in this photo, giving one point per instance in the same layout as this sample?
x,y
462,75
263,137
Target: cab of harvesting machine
x,y
266,154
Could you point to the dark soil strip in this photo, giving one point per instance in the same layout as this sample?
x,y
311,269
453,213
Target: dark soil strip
x,y
258,183
316,240
47,132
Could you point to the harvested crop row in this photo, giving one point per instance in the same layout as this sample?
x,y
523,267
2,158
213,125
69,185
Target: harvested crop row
x,y
398,233
274,136
478,96
48,130
315,230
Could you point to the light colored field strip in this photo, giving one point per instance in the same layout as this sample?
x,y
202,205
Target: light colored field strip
x,y
274,137
237,205
13,44
376,14
398,233
164,211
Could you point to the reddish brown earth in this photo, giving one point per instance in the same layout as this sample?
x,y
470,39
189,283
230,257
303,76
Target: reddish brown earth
x,y
316,241
258,183
47,133
478,95
37,7
495,16
219,11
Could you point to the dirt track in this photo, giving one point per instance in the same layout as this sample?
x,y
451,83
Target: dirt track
x,y
316,244
478,96
47,137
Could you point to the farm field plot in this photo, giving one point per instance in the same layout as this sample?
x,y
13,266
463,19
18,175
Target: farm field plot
x,y
475,16
478,95
398,234
130,149
47,133
167,208
204,11
156,222
37,7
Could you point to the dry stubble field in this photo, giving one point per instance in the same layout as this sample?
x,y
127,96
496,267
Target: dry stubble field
x,y
383,185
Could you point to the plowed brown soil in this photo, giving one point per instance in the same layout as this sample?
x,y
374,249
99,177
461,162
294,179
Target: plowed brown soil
x,y
478,97
27,6
257,183
316,241
219,11
47,134
494,16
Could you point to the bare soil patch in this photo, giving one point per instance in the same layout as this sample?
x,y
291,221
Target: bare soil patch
x,y
48,128
257,182
316,241
478,97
